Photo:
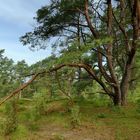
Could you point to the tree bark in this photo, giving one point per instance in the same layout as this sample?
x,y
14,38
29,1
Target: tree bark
x,y
126,81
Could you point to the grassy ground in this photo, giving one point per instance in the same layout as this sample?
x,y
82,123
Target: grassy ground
x,y
97,122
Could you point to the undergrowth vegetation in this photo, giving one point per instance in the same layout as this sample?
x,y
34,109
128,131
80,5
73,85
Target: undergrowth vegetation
x,y
10,122
41,118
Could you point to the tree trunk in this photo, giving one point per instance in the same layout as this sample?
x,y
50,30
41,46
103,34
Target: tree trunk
x,y
131,52
116,101
117,96
126,80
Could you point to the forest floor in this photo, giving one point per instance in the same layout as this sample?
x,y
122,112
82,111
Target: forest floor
x,y
97,122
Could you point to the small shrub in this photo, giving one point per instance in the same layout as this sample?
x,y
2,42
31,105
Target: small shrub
x,y
102,115
34,115
21,133
40,103
75,114
10,124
